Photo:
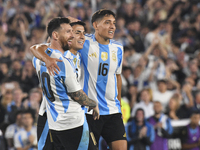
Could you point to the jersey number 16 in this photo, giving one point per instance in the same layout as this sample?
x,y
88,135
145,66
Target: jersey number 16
x,y
103,69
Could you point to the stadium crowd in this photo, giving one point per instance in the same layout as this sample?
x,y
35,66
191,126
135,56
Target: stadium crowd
x,y
161,61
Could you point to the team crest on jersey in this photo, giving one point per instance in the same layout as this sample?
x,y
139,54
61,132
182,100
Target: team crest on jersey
x,y
104,56
114,57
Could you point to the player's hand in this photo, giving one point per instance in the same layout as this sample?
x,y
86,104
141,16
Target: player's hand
x,y
51,64
96,113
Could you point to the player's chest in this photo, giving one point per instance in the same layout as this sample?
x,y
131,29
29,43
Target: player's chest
x,y
103,58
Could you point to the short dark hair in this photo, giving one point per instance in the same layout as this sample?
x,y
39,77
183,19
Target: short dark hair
x,y
101,13
162,81
55,23
78,23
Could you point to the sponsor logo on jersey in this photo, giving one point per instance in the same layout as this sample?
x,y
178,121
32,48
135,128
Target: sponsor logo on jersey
x,y
93,55
104,56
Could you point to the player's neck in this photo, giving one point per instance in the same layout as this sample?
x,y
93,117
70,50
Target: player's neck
x,y
73,51
101,40
56,45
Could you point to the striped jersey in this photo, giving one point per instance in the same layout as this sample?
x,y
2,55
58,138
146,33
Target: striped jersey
x,y
63,113
100,64
76,59
21,138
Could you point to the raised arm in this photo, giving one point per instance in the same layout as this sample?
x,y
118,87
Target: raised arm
x,y
51,63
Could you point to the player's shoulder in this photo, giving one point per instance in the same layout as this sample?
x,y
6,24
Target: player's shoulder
x,y
89,37
54,53
116,43
66,64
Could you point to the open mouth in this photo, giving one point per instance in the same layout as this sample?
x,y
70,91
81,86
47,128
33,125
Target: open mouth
x,y
110,32
80,42
69,42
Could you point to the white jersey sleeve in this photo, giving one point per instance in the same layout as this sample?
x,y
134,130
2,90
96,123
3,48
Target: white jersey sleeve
x,y
120,59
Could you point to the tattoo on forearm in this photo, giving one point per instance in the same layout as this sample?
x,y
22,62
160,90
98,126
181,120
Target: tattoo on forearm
x,y
82,98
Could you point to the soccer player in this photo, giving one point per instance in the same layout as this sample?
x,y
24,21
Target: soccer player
x,y
74,55
63,94
101,59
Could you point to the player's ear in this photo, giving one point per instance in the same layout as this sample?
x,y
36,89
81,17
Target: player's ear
x,y
95,25
55,35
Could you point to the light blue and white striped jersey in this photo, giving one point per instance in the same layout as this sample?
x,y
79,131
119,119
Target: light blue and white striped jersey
x,y
76,59
62,112
100,65
21,138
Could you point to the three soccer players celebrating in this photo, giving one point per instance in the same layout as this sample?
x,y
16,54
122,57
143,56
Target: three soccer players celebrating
x,y
100,64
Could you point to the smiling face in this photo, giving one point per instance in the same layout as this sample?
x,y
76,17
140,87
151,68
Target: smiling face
x,y
65,36
105,27
79,37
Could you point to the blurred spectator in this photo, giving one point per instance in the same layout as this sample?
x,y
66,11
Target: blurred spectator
x,y
177,111
13,129
140,134
131,96
190,135
15,105
29,77
16,71
3,71
121,33
126,77
197,102
34,101
134,31
162,126
145,103
26,138
162,94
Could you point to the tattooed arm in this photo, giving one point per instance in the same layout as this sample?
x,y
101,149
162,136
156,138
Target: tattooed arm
x,y
82,98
